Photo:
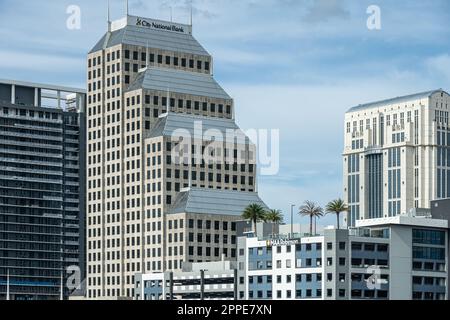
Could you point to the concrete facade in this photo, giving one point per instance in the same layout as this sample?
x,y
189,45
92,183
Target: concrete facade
x,y
197,281
150,83
398,258
396,155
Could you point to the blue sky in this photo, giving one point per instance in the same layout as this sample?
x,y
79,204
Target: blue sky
x,y
293,65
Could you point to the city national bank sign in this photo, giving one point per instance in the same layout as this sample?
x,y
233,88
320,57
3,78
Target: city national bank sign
x,y
159,25
281,242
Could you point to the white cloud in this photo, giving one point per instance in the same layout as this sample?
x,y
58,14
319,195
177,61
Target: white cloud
x,y
35,62
326,10
227,56
439,65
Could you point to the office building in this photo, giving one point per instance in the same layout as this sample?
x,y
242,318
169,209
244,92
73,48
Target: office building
x,y
42,188
202,225
404,257
197,281
156,118
396,155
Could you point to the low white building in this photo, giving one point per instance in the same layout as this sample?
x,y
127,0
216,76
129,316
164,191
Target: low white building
x,y
397,258
197,281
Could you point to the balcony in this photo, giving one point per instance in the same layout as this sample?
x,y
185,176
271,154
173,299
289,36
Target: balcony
x,y
53,181
38,154
373,150
31,145
31,136
369,233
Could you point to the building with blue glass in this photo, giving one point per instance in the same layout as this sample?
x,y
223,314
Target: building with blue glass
x,y
42,143
395,258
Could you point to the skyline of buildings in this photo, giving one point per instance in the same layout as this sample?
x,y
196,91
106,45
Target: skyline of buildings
x,y
150,198
269,71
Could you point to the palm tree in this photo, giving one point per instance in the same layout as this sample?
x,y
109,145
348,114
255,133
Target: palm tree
x,y
275,217
312,210
337,207
254,213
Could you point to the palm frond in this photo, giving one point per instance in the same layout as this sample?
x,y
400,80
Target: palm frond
x,y
274,216
311,209
336,206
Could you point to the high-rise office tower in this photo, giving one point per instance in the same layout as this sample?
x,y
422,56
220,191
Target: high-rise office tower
x,y
157,124
397,155
42,145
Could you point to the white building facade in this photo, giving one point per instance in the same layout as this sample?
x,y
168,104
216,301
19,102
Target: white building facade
x,y
396,155
197,281
393,258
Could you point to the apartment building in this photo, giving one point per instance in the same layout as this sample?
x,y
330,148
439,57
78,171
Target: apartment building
x,y
396,156
42,189
158,123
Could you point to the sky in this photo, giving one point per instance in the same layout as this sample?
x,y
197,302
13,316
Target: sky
x,y
292,65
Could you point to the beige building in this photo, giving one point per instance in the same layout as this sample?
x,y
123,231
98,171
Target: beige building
x,y
158,123
396,155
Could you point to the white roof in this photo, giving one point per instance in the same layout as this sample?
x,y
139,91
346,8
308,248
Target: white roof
x,y
403,220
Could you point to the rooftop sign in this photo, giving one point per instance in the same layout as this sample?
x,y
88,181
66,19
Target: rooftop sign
x,y
160,25
281,242
151,24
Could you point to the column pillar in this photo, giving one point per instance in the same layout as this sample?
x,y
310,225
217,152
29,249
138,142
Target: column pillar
x,y
13,94
36,97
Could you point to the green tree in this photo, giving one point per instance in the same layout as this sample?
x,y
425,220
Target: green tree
x,y
337,207
312,210
254,213
275,217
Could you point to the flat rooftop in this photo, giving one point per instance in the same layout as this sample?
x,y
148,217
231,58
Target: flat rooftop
x,y
403,220
396,100
42,86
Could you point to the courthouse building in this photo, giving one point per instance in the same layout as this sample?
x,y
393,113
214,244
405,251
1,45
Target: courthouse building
x,y
397,155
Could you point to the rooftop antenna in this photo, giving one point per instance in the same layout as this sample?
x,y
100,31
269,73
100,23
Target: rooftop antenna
x,y
127,8
190,22
109,17
171,14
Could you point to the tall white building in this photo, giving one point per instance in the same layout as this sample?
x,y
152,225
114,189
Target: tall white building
x,y
397,155
149,82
